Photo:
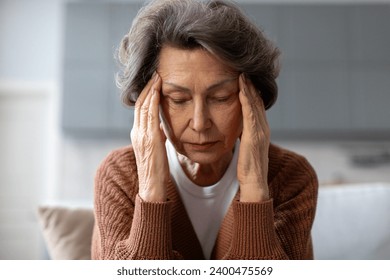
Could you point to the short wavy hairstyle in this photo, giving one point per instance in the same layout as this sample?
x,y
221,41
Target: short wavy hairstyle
x,y
218,26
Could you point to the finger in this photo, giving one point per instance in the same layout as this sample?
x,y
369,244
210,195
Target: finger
x,y
244,100
146,90
258,107
261,117
154,119
253,95
257,104
145,111
149,117
162,133
253,108
141,99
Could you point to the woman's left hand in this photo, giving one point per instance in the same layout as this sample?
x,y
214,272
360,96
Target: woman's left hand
x,y
252,169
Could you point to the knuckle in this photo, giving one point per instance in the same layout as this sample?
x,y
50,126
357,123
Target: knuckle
x,y
144,108
138,104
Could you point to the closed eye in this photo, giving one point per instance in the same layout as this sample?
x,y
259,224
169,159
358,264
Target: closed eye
x,y
221,99
178,101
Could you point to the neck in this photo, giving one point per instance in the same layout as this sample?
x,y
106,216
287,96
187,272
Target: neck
x,y
205,174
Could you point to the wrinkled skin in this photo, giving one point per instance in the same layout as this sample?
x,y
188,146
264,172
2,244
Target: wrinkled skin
x,y
148,141
205,107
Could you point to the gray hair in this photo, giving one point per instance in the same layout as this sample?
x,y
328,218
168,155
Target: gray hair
x,y
218,26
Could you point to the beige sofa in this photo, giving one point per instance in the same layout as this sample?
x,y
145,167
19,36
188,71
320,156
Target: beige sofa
x,y
352,222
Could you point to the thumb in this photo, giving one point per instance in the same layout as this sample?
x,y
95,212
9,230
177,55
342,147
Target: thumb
x,y
162,133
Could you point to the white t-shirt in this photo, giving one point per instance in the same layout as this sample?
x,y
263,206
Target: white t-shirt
x,y
206,206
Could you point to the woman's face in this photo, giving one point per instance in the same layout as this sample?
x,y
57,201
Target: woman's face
x,y
200,105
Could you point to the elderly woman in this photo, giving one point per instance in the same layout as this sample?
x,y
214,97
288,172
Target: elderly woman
x,y
201,179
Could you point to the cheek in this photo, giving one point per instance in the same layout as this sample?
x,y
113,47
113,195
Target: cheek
x,y
230,121
174,120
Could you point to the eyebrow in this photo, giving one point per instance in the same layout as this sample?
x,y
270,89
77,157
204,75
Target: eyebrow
x,y
210,88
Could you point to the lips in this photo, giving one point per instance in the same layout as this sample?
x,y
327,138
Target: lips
x,y
201,146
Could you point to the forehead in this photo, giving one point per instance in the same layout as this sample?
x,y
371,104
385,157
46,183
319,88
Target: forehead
x,y
176,62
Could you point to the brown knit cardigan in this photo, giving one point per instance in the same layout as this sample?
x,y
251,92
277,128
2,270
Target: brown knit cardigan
x,y
128,228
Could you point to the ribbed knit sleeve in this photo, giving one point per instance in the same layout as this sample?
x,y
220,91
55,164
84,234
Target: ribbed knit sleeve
x,y
128,228
295,190
125,226
150,235
279,228
254,234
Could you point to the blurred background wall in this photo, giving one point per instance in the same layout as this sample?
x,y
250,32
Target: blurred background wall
x,y
60,112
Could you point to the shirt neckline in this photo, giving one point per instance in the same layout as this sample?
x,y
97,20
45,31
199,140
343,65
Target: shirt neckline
x,y
187,185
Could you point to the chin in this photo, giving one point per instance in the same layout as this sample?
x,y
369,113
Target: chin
x,y
207,155
204,158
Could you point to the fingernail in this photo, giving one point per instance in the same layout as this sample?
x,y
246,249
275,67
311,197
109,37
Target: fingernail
x,y
155,76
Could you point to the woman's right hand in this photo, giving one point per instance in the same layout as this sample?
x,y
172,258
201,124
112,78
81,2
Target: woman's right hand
x,y
148,141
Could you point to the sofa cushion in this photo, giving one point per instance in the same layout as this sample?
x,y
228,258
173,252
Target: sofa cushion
x,y
353,222
67,231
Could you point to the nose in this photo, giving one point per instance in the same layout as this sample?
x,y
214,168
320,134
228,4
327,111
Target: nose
x,y
201,118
